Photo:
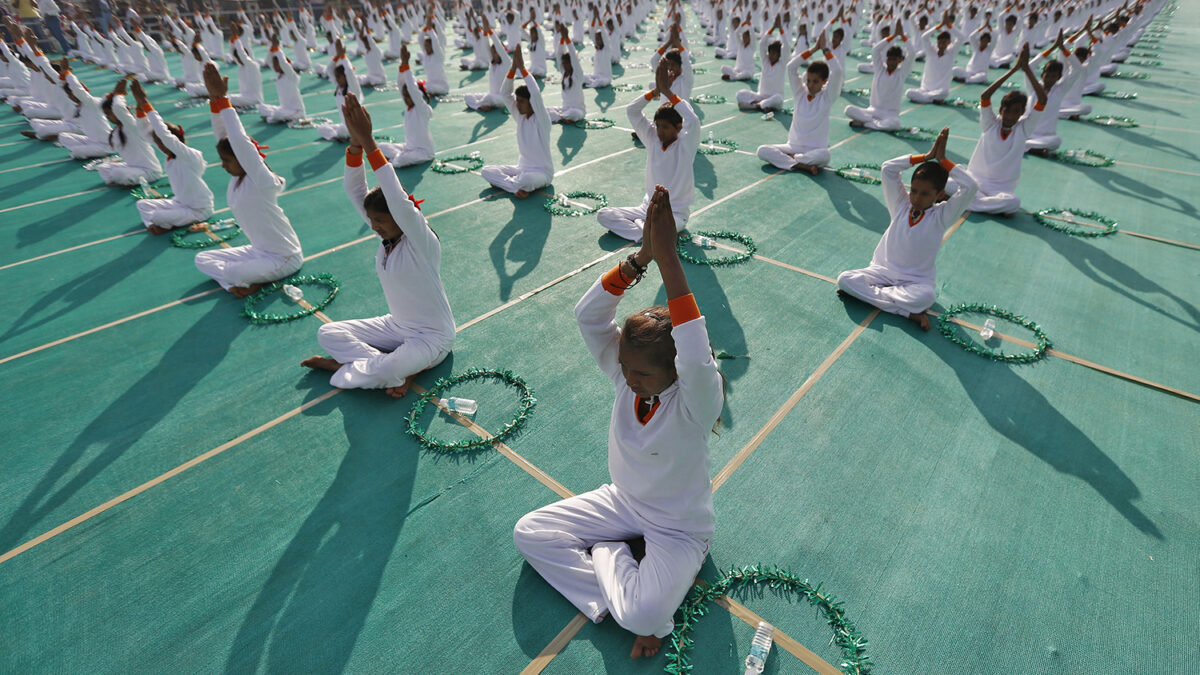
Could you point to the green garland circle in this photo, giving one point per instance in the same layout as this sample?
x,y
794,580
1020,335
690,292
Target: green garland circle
x,y
963,102
1118,95
717,146
708,98
555,208
916,133
699,71
1144,62
848,172
442,165
384,138
158,186
699,600
1129,75
947,327
323,279
1044,218
449,98
743,256
624,86
595,123
861,93
180,239
191,102
308,122
1081,157
1113,121
528,401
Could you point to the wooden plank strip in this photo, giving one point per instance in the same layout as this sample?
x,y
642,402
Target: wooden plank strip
x,y
785,641
556,645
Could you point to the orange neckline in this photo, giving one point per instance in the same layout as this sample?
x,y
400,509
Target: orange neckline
x,y
912,222
653,408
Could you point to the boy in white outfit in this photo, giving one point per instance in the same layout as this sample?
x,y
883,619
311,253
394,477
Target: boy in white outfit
x,y
287,86
535,166
939,63
901,277
387,352
769,95
418,141
192,201
807,148
887,84
573,107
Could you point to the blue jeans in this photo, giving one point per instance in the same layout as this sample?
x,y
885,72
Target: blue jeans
x,y
55,26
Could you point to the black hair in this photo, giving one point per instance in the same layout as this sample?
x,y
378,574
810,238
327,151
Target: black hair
x,y
667,113
674,57
650,329
1082,53
932,172
986,35
375,201
1013,98
819,68
944,35
838,34
119,130
895,52
776,47
522,91
224,147
1053,65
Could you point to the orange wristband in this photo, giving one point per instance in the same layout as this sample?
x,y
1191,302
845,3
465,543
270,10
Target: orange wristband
x,y
376,159
614,282
218,104
683,309
354,158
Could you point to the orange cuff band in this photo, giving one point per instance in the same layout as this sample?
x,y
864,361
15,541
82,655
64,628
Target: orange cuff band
x,y
675,99
948,165
805,54
683,309
1039,106
143,110
916,159
274,49
218,104
985,102
649,96
524,73
376,159
614,282
405,68
354,158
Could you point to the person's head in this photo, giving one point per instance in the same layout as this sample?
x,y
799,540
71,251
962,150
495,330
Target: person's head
x,y
106,107
838,35
922,22
1012,106
496,60
275,63
598,40
667,124
428,45
176,131
380,216
928,185
815,77
674,63
1033,19
745,38
1010,22
1051,73
985,39
885,31
895,56
774,51
339,78
229,161
943,42
1082,53
521,97
646,352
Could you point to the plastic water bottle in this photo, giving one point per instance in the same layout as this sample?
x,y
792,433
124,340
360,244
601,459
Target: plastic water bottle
x,y
914,130
710,137
562,199
222,224
760,647
769,116
474,154
988,330
703,242
465,406
293,292
143,185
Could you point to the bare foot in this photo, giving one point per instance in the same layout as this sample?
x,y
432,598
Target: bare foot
x,y
197,227
522,194
645,645
1005,216
402,390
856,124
843,294
29,134
244,291
1074,118
941,102
485,108
921,319
1040,152
725,77
157,230
321,363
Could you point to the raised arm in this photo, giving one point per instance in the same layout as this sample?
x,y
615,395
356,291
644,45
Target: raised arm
x,y
243,148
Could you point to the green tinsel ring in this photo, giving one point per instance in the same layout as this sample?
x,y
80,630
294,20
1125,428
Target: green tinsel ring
x,y
555,208
528,401
1081,157
1129,75
191,103
308,122
863,93
1044,218
595,123
384,138
1150,63
1119,95
700,71
159,187
1113,121
708,98
963,102
743,256
323,279
180,239
916,133
449,98
91,165
717,146
699,600
627,87
848,172
443,165
947,327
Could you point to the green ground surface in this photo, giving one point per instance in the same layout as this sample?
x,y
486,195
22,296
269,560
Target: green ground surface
x,y
973,516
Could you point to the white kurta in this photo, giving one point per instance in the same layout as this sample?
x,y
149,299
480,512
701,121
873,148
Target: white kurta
x,y
808,135
535,166
191,200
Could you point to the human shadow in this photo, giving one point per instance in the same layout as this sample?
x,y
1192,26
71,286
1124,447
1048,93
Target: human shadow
x,y
522,241
570,142
55,225
705,175
129,418
1137,191
1022,414
488,122
605,98
316,163
308,615
1137,139
855,204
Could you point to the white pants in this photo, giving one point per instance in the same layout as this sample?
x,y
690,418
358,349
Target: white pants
x,y
918,95
1043,143
729,72
866,67
643,597
38,110
83,148
169,213
243,265
47,128
400,155
120,173
1093,88
196,89
962,75
436,89
1001,202
514,179
333,132
751,99
1071,111
376,353
245,100
275,114
565,114
596,81
879,120
477,101
875,285
628,222
784,157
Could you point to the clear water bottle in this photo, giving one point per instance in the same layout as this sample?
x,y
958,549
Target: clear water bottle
x,y
222,224
293,292
474,154
760,647
710,137
143,185
914,130
562,199
770,115
703,241
465,406
988,330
